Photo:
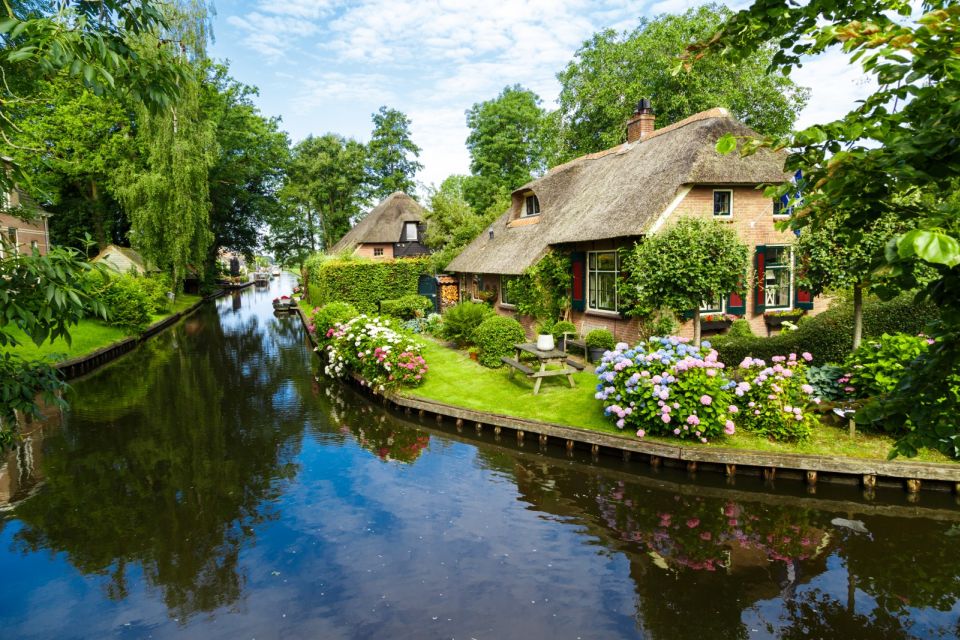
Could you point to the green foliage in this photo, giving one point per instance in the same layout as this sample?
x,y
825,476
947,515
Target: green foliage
x,y
362,283
775,399
20,382
825,381
612,71
451,222
461,320
542,291
876,367
496,337
156,286
127,301
389,166
563,327
372,348
407,307
599,339
505,144
827,335
740,328
324,318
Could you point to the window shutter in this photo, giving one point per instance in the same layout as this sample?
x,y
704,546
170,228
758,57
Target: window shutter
x,y
759,270
687,315
736,305
803,299
578,297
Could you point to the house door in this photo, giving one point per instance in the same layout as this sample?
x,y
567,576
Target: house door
x,y
427,287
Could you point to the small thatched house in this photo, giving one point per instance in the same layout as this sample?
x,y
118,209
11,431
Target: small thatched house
x,y
23,223
392,229
596,204
123,260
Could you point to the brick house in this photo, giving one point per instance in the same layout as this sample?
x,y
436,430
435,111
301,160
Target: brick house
x,y
392,229
596,204
23,224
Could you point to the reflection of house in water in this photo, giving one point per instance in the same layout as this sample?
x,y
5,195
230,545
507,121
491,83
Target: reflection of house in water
x,y
20,468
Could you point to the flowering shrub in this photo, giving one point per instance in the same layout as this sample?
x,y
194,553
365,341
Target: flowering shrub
x,y
877,366
778,397
324,318
667,387
374,350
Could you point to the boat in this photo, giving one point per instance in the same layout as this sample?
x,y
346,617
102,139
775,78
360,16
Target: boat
x,y
261,278
276,271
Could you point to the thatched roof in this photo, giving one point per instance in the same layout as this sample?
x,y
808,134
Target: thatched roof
x,y
619,192
384,223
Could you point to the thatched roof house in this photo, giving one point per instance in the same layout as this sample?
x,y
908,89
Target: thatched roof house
x,y
595,204
392,229
124,259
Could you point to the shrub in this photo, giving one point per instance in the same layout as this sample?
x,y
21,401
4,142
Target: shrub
x,y
434,324
546,328
363,283
371,348
128,304
778,398
877,366
495,337
325,318
667,387
825,381
599,339
829,335
407,307
740,328
461,320
563,327
156,286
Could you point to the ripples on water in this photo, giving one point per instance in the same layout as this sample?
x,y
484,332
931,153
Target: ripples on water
x,y
208,486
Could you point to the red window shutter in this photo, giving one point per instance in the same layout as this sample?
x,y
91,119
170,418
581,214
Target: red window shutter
x,y
578,298
759,263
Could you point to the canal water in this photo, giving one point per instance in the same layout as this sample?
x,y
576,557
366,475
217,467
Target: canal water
x,y
208,486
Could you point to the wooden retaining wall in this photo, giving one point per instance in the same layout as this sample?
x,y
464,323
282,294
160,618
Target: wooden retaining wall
x,y
912,476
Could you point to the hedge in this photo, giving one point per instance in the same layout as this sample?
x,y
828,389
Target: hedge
x,y
829,335
407,307
362,283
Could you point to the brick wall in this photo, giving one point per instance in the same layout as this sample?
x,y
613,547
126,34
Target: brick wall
x,y
367,250
26,232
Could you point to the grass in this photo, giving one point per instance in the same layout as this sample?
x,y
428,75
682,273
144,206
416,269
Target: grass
x,y
87,336
457,380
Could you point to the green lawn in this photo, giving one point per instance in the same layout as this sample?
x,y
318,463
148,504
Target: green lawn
x,y
455,379
88,336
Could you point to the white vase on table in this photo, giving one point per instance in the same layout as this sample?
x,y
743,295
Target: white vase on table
x,y
545,342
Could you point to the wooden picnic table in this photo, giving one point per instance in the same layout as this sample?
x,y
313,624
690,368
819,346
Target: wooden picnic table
x,y
567,367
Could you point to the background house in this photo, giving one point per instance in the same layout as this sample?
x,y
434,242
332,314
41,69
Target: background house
x,y
123,259
23,224
392,229
598,203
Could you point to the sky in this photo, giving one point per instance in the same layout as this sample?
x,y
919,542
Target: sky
x,y
325,66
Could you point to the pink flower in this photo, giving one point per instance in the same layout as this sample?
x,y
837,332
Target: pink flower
x,y
641,433
693,523
693,420
733,408
705,400
666,419
729,428
806,389
806,356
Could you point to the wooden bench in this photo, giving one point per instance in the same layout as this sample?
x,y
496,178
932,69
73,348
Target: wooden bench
x,y
516,364
579,366
574,340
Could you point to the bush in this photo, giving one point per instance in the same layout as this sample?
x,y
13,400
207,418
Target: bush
x,y
363,283
371,348
461,320
829,335
667,387
740,328
434,324
324,319
156,286
825,381
407,307
563,327
599,339
877,366
496,337
127,302
778,398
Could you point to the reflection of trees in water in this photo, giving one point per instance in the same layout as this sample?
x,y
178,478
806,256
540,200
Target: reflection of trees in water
x,y
814,614
174,476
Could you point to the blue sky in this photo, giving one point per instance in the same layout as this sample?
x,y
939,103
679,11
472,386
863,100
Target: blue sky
x,y
327,66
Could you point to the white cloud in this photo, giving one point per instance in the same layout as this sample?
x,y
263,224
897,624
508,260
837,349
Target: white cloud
x,y
835,87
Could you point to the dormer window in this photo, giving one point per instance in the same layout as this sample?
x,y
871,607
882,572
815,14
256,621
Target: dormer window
x,y
410,231
531,205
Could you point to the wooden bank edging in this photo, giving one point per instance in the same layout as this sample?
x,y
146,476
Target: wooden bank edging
x,y
81,365
808,467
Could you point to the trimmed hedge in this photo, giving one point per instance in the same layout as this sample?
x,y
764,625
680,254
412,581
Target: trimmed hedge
x,y
829,335
496,337
407,307
362,283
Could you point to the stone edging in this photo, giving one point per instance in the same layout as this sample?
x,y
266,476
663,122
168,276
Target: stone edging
x,y
82,365
807,467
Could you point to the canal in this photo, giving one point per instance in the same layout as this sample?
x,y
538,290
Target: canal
x,y
209,486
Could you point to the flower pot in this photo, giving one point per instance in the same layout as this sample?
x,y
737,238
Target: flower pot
x,y
545,342
595,354
473,356
714,325
777,321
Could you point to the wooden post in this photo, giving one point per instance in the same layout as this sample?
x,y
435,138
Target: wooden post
x,y
459,422
869,481
570,445
520,435
626,456
422,413
479,428
731,470
595,450
913,486
654,461
853,428
692,466
811,478
439,418
769,473
406,410
496,431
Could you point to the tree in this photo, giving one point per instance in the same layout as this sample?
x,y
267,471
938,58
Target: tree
x,y
612,71
887,156
389,166
451,222
505,144
680,268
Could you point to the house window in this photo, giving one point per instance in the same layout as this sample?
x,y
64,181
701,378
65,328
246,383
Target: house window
x,y
505,297
722,203
713,306
410,232
5,200
778,277
602,273
780,209
34,245
8,244
531,205
378,252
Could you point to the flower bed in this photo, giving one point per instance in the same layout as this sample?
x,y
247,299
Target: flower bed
x,y
374,350
778,397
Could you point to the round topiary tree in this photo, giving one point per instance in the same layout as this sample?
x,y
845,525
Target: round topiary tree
x,y
693,261
496,337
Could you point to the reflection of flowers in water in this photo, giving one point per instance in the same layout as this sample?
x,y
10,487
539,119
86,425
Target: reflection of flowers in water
x,y
390,442
703,535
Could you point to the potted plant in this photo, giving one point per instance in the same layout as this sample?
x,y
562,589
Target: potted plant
x,y
473,352
598,341
283,303
545,341
560,331
716,321
777,318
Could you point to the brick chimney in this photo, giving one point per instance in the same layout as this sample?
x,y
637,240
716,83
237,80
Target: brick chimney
x,y
640,124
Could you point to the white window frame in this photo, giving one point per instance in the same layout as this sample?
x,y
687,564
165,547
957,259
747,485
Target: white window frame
x,y
714,204
706,308
503,288
792,269
406,232
616,282
376,250
780,216
528,197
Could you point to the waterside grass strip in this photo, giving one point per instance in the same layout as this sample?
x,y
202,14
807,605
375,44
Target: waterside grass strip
x,y
913,476
82,365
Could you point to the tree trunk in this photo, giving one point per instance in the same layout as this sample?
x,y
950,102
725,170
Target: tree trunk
x,y
96,210
696,327
857,314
